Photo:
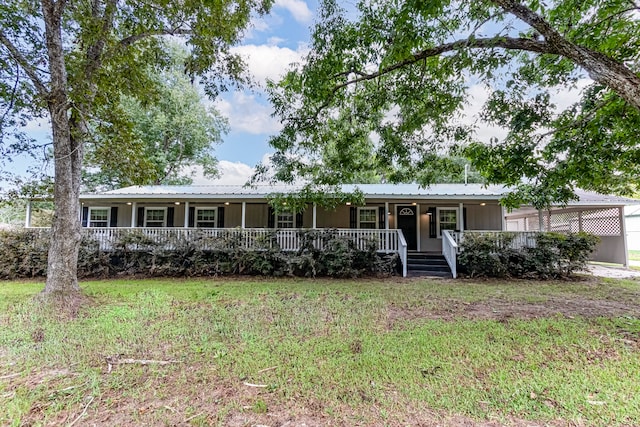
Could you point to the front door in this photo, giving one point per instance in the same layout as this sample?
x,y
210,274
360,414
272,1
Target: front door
x,y
408,223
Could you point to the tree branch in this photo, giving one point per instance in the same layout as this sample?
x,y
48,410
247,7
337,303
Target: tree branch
x,y
24,63
524,44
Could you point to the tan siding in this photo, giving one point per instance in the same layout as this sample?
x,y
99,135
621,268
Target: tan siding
x,y
233,215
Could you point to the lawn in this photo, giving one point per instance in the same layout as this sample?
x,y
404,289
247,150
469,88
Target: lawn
x,y
324,352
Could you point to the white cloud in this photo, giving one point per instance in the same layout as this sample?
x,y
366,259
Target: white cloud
x,y
269,61
298,9
231,173
247,114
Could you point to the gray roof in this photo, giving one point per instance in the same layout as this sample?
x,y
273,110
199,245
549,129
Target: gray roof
x,y
377,191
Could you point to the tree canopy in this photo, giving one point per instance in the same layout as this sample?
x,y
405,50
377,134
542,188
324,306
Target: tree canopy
x,y
158,140
68,60
392,79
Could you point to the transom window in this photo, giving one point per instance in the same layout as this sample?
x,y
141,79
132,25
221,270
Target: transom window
x,y
447,219
98,217
155,217
206,217
285,220
368,218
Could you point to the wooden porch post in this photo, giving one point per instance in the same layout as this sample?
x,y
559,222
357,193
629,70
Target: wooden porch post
x,y
186,214
315,216
134,212
504,219
623,230
244,215
540,221
461,218
386,215
27,219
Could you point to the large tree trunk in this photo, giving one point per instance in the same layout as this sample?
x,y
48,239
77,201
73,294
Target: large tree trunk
x,y
62,267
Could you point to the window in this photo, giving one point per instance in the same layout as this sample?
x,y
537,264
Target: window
x,y
155,217
447,219
368,218
285,220
98,217
206,217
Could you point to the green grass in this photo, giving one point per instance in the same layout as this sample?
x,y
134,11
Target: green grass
x,y
634,255
338,352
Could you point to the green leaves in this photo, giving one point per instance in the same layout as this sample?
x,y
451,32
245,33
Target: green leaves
x,y
385,88
160,136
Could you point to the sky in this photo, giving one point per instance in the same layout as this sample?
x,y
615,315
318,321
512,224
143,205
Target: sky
x,y
271,44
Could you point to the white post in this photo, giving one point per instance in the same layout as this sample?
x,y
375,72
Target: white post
x,y
540,221
186,214
386,215
623,230
418,227
27,219
244,215
315,216
461,221
504,218
134,213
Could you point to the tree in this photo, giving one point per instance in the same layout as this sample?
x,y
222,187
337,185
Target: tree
x,y
156,139
399,73
66,60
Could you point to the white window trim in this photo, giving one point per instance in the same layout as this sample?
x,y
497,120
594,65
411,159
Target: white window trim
x,y
456,210
279,223
198,208
151,208
370,208
91,208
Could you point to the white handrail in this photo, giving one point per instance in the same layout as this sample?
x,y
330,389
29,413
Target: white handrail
x,y
402,244
450,251
289,239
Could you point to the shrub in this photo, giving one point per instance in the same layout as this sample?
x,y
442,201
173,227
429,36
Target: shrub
x,y
545,256
23,253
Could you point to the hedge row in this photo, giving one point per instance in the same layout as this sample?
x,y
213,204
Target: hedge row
x,y
550,255
23,254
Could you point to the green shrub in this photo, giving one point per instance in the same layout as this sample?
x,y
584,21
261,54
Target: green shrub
x,y
23,253
546,256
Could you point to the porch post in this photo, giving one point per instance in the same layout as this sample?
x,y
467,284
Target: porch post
x,y
417,227
540,221
504,219
134,212
386,215
186,214
461,216
244,215
27,219
315,216
623,229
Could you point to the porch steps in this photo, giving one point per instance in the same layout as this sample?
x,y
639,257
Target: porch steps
x,y
427,264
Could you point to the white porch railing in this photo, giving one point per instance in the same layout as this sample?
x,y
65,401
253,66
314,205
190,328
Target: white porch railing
x,y
450,250
402,243
512,239
387,241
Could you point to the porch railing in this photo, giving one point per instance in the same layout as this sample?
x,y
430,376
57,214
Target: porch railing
x,y
450,249
512,239
386,241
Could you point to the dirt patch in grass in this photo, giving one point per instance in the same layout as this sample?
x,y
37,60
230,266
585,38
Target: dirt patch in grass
x,y
503,310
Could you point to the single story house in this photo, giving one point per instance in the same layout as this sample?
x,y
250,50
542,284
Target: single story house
x,y
402,218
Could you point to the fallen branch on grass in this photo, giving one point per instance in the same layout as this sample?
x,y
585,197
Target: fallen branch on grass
x,y
6,377
115,361
255,385
81,414
267,369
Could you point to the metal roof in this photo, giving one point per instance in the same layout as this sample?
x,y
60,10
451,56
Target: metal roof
x,y
375,191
